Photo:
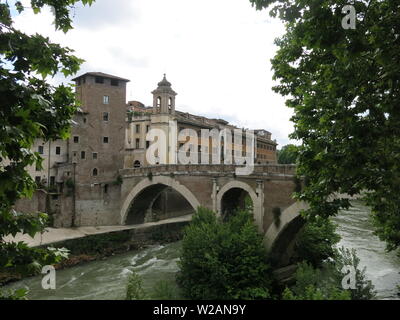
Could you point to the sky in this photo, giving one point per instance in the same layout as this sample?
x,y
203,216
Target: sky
x,y
216,54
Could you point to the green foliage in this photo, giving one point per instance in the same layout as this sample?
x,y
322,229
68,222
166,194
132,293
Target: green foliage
x,y
118,181
315,242
277,216
325,282
297,184
223,260
165,290
344,88
288,154
30,108
19,294
364,288
315,284
134,290
70,183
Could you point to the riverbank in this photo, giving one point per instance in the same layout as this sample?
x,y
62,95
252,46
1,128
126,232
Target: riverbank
x,y
87,244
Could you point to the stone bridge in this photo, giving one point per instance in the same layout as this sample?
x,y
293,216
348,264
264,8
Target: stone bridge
x,y
218,188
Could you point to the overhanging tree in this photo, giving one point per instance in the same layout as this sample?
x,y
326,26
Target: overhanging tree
x,y
344,88
30,108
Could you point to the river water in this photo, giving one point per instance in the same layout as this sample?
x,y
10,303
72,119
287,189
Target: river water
x,y
356,230
107,279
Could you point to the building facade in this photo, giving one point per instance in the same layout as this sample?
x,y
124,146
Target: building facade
x,y
80,176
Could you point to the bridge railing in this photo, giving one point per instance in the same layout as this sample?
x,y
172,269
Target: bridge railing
x,y
259,169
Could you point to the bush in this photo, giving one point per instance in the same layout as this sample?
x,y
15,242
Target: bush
x,y
223,260
364,288
165,290
315,284
19,294
134,290
325,283
315,242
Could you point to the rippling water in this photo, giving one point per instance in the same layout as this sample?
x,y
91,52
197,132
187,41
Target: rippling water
x,y
107,279
356,230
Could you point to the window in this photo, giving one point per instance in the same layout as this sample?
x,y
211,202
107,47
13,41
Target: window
x,y
147,128
84,120
52,181
105,116
169,103
76,139
159,102
106,99
40,149
138,128
136,164
37,179
95,172
94,155
58,150
137,143
147,144
105,139
99,80
114,82
83,154
105,188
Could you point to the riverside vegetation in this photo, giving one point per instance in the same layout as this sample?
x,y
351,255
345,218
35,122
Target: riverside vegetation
x,y
225,259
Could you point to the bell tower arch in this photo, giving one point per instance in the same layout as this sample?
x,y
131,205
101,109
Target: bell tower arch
x,y
164,98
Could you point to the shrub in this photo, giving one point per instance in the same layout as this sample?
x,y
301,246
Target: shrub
x,y
325,283
165,290
315,284
223,260
134,290
364,288
315,242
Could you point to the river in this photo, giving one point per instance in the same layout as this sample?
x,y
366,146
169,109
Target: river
x,y
106,279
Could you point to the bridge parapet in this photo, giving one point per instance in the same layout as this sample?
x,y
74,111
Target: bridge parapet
x,y
210,169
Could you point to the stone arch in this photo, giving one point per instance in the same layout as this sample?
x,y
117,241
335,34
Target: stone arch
x,y
279,239
157,180
257,200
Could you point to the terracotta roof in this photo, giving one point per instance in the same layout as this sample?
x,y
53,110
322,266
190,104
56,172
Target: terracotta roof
x,y
101,74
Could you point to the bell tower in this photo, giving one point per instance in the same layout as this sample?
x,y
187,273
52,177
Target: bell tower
x,y
163,118
164,98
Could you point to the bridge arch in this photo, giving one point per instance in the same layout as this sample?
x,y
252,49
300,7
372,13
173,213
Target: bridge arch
x,y
155,185
279,239
257,200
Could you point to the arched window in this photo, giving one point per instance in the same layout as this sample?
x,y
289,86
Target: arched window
x,y
170,103
95,172
159,102
136,164
105,188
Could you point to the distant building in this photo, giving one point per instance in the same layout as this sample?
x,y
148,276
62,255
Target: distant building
x,y
109,134
141,119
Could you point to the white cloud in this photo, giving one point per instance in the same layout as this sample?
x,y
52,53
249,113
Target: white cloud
x,y
215,53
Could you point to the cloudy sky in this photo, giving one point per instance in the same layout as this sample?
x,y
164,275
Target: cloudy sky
x,y
216,54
